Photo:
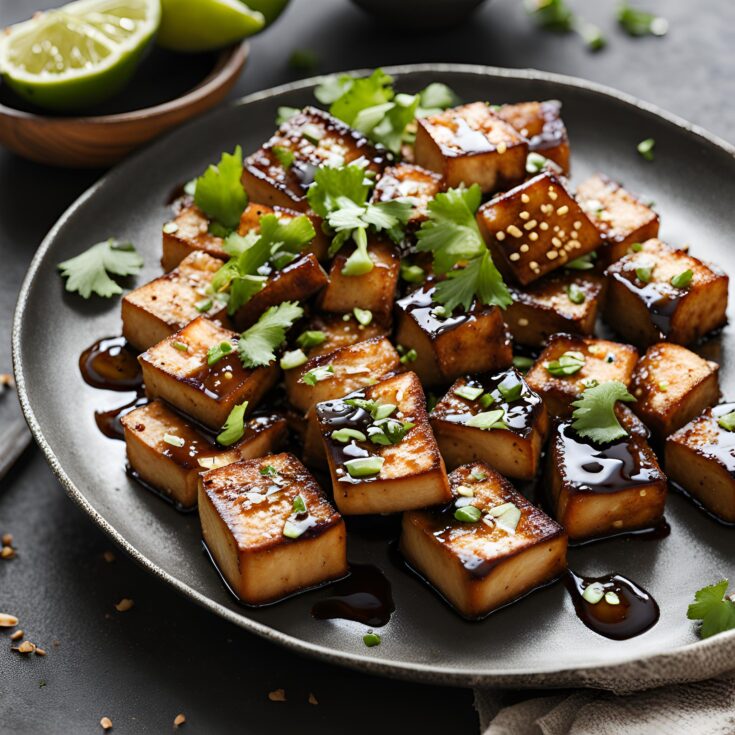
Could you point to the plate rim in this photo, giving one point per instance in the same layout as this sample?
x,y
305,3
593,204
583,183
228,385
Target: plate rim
x,y
429,673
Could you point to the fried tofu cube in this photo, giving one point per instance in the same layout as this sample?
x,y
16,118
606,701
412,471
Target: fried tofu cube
x,y
655,309
324,333
541,124
334,374
314,138
408,181
177,370
509,441
470,144
269,528
700,458
487,548
598,359
152,312
601,490
567,302
168,454
447,347
620,217
374,290
383,459
672,385
536,228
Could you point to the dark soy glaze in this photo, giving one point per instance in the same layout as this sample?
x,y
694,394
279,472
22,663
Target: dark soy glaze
x,y
658,532
660,299
108,422
420,306
110,364
636,613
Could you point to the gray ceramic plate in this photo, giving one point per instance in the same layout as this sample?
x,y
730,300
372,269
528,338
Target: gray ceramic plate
x,y
536,641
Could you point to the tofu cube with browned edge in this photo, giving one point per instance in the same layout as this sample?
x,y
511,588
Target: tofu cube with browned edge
x,y
700,458
382,455
599,490
447,347
620,217
178,370
488,547
569,364
167,453
566,302
314,138
496,419
672,385
658,293
470,144
269,528
325,332
161,307
536,228
541,124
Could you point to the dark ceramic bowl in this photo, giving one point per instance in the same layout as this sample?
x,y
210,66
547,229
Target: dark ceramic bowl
x,y
422,15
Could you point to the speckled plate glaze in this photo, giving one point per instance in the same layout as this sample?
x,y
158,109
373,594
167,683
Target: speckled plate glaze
x,y
538,641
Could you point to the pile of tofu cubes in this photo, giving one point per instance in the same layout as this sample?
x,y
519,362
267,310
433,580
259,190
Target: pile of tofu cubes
x,y
465,527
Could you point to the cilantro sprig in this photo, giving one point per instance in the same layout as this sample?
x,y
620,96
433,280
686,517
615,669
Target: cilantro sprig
x,y
716,611
88,272
219,192
594,412
256,346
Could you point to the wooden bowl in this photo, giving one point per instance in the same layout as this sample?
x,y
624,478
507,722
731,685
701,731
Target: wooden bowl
x,y
101,140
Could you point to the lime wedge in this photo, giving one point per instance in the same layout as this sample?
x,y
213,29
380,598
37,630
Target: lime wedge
x,y
202,25
80,54
271,9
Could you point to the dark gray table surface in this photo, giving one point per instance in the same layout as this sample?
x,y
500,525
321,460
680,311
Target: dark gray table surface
x,y
166,655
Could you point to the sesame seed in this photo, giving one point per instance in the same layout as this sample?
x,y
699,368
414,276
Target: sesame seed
x,y
618,524
577,225
312,699
501,147
547,208
180,719
524,214
522,322
556,241
525,198
7,620
513,230
124,605
500,236
544,226
533,265
524,247
515,256
553,195
574,244
106,723
7,539
17,635
530,225
26,647
228,375
562,233
552,254
277,695
533,236
564,209
642,493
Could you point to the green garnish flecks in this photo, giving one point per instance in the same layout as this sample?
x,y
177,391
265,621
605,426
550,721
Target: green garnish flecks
x,y
487,420
234,427
468,514
683,279
364,466
714,609
217,352
371,639
470,392
311,338
219,191
727,421
316,375
594,412
257,344
569,363
645,148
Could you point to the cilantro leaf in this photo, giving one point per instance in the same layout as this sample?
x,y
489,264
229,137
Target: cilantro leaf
x,y
434,98
362,94
257,345
219,191
594,413
234,427
285,114
331,184
716,612
87,273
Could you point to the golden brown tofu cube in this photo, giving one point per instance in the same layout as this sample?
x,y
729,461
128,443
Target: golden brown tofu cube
x,y
407,181
324,333
471,145
168,454
672,385
334,374
566,302
161,307
495,419
186,233
604,489
700,458
654,309
597,359
447,347
270,529
541,124
487,548
536,228
620,217
382,455
177,370
298,281
315,139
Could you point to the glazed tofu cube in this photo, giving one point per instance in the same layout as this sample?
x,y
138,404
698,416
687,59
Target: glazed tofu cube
x,y
620,217
447,347
496,419
382,455
298,281
315,138
168,454
700,458
324,333
567,302
334,374
152,312
536,228
487,548
655,309
186,233
177,370
600,490
269,528
672,385
594,359
541,124
407,181
374,291
470,144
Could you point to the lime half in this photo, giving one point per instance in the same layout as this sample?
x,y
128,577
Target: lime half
x,y
80,54
202,25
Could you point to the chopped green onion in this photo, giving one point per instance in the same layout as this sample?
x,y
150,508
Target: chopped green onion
x,y
363,316
285,156
468,514
645,148
371,639
568,364
299,504
409,356
217,352
611,598
469,392
663,386
511,392
311,338
487,420
583,263
636,247
180,346
727,421
535,163
478,475
575,294
522,363
285,114
364,466
593,593
312,133
345,435
683,279
412,273
268,471
292,530
234,427
644,273
487,400
383,410
465,491
316,375
293,359
173,440
203,305
170,227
